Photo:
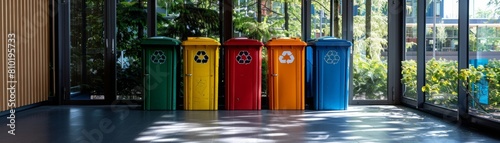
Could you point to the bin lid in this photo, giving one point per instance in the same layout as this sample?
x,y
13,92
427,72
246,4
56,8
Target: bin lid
x,y
329,41
286,42
160,40
243,41
200,41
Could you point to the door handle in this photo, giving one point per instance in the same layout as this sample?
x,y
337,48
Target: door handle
x,y
275,74
189,74
113,46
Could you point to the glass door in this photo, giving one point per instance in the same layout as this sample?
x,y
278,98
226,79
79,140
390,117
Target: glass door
x,y
91,65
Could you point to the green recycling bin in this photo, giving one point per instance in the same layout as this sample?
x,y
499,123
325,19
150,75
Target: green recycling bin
x,y
160,57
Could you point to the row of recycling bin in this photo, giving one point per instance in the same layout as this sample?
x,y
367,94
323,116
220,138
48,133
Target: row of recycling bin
x,y
327,77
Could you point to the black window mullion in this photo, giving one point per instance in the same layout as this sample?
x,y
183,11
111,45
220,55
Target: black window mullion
x,y
347,34
421,6
463,57
151,23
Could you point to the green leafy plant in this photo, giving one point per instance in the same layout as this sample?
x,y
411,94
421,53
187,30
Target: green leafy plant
x,y
493,76
194,20
257,30
471,78
442,81
370,78
409,72
129,35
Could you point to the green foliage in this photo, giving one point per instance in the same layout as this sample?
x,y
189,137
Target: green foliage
x,y
496,5
370,68
442,81
193,21
409,72
370,78
492,72
295,22
484,39
264,70
256,30
89,81
409,45
130,31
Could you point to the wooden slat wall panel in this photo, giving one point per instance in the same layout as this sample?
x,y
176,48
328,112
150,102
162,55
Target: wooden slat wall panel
x,y
45,56
2,60
29,52
36,56
23,27
29,20
20,51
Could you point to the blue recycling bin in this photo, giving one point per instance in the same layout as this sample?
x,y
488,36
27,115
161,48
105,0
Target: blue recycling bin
x,y
330,73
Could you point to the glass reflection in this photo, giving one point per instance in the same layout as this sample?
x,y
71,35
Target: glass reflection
x,y
131,25
441,42
87,50
409,66
370,50
484,60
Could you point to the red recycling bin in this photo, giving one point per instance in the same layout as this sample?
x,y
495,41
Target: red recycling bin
x,y
243,61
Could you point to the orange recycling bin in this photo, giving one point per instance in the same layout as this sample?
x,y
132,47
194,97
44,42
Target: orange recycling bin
x,y
286,73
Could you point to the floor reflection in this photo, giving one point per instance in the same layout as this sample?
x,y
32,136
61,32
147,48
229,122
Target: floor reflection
x,y
358,124
123,124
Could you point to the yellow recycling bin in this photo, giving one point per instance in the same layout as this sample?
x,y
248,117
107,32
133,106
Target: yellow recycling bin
x,y
286,70
201,73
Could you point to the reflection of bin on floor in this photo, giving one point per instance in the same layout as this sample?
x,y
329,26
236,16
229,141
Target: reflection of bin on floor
x,y
330,73
286,73
243,73
482,86
160,69
201,73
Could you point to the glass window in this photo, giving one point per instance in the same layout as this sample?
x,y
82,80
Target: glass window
x,y
409,69
320,18
131,26
188,18
441,71
484,60
294,12
245,12
434,5
370,49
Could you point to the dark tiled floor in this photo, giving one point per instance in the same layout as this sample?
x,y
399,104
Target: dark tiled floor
x,y
119,124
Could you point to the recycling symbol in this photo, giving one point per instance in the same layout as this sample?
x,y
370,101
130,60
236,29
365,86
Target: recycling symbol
x,y
201,57
332,57
244,57
288,60
158,57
